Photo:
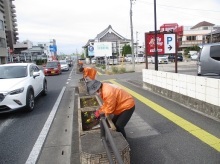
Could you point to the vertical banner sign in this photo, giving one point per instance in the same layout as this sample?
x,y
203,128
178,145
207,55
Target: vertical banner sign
x,y
91,51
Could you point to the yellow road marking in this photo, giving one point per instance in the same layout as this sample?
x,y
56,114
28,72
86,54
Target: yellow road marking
x,y
199,133
99,73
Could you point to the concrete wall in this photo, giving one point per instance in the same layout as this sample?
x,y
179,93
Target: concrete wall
x,y
200,93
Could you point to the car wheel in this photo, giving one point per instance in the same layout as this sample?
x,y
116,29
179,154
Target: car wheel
x,y
30,101
44,91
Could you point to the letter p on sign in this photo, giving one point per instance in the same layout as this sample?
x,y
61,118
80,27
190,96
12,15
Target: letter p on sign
x,y
169,39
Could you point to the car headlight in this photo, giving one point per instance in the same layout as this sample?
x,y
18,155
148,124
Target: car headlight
x,y
16,91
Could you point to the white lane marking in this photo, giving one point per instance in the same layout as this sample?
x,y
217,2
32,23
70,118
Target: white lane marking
x,y
6,124
35,152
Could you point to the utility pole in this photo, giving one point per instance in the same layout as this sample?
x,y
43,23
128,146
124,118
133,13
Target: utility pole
x,y
136,42
132,39
155,36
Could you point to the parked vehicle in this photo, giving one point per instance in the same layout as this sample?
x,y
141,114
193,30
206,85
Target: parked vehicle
x,y
112,60
140,58
171,57
20,84
128,58
162,59
93,60
64,65
52,68
208,62
194,56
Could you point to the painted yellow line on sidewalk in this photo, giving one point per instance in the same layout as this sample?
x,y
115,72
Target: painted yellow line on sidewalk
x,y
201,134
99,73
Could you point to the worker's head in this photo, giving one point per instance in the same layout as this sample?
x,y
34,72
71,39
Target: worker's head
x,y
93,86
81,69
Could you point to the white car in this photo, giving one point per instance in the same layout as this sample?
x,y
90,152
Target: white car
x,y
20,84
93,60
162,59
128,58
64,65
194,56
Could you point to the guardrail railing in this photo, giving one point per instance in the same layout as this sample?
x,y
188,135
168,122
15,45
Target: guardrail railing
x,y
107,137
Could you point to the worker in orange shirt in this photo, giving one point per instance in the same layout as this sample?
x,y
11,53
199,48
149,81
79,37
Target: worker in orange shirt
x,y
88,72
116,102
80,63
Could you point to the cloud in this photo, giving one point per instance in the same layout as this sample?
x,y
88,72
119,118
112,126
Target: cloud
x,y
73,23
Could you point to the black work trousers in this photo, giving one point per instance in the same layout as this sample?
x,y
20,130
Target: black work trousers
x,y
122,119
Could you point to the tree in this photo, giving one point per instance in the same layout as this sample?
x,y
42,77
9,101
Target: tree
x,y
126,49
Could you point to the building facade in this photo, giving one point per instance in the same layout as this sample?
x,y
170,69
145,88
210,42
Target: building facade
x,y
9,15
3,45
197,35
109,35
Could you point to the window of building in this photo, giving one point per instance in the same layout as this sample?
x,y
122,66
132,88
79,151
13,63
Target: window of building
x,y
191,38
205,28
2,43
1,25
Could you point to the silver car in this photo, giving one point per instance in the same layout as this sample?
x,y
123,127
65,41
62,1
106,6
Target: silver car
x,y
64,65
208,62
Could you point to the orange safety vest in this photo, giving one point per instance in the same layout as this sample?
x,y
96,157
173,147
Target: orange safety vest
x,y
89,72
115,99
80,62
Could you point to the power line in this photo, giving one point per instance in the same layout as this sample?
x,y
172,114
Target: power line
x,y
170,6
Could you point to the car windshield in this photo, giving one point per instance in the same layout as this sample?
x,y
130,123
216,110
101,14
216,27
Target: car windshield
x,y
51,65
10,72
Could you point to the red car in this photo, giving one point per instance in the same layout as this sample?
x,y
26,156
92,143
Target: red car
x,y
52,68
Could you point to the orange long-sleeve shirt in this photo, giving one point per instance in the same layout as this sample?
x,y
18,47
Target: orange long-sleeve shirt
x,y
89,72
115,99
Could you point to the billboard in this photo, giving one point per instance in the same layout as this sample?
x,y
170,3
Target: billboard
x,y
150,44
102,49
166,43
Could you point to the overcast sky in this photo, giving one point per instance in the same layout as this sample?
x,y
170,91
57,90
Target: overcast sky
x,y
73,22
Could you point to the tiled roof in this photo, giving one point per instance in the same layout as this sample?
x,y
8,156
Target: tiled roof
x,y
204,23
101,34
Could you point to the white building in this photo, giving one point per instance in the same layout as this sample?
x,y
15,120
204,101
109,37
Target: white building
x,y
196,35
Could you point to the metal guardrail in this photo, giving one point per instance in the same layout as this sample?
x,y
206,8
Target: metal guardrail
x,y
106,136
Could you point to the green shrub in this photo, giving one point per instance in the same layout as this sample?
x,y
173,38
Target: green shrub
x,y
122,70
98,65
115,69
103,66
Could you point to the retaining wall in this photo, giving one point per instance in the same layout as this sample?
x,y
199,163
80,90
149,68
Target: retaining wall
x,y
196,92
